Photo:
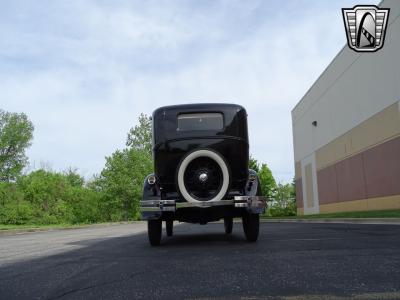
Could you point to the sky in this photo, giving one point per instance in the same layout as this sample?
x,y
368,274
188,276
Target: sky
x,y
83,71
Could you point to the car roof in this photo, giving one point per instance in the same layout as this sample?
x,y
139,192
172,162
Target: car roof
x,y
165,121
198,107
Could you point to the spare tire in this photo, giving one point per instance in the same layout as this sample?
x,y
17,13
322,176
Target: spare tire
x,y
203,175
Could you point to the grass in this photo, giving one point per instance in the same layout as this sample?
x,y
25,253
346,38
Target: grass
x,y
4,227
350,214
35,226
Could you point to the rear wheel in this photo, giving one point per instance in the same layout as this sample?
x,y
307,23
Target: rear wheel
x,y
228,224
154,232
169,225
251,226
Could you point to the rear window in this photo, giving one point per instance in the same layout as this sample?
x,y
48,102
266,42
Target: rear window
x,y
200,121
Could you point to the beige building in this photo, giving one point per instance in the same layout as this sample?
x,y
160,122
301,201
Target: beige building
x,y
346,131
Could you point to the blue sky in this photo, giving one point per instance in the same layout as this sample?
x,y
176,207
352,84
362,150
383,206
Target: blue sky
x,y
83,71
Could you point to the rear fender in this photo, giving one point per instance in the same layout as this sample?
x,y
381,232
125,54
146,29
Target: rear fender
x,y
151,192
253,188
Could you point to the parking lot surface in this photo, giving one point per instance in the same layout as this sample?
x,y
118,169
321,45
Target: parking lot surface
x,y
290,261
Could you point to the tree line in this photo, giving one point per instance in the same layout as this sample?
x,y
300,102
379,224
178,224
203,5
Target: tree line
x,y
45,196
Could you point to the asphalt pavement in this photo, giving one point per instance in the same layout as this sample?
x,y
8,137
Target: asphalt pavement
x,y
290,261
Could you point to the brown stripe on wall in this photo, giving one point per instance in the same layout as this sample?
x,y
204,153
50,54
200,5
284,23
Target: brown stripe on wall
x,y
299,193
370,174
350,178
382,169
327,185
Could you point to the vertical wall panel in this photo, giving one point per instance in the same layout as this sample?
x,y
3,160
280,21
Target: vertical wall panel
x,y
309,185
382,169
299,193
327,185
350,177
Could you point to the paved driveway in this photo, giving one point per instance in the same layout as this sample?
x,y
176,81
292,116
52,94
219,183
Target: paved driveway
x,y
290,261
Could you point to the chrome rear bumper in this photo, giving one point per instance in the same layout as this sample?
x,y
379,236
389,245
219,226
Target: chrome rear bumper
x,y
254,204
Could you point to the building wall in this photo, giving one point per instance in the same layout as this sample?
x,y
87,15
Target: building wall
x,y
351,159
361,169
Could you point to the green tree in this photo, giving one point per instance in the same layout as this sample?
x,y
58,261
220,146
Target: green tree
x,y
16,133
58,198
47,192
268,184
139,137
13,208
284,193
284,204
84,205
73,178
121,182
253,164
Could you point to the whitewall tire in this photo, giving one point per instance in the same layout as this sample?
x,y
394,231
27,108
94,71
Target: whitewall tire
x,y
203,153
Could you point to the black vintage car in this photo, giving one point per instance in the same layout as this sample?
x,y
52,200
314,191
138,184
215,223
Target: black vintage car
x,y
201,170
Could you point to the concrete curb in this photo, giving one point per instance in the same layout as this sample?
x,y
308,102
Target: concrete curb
x,y
371,221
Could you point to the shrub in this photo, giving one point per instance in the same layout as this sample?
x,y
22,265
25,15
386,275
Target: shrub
x,y
13,208
46,197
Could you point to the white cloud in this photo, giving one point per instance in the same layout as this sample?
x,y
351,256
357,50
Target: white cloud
x,y
83,72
